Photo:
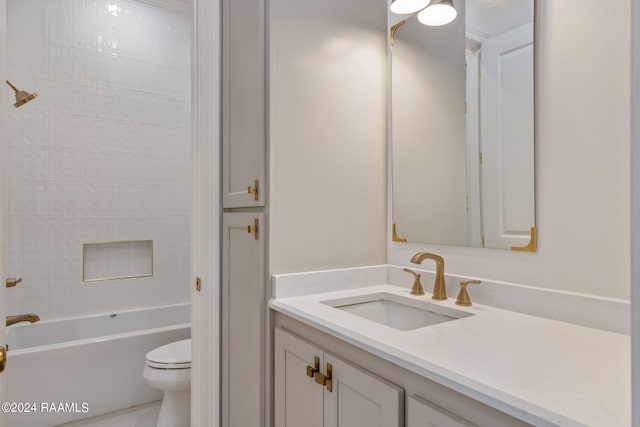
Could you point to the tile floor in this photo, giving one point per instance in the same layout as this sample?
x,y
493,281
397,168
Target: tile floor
x,y
139,416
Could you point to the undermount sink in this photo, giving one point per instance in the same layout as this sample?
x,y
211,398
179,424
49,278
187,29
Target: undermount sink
x,y
396,311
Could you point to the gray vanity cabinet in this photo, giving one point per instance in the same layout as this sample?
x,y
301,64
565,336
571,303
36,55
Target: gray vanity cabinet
x,y
243,313
360,398
421,413
243,103
350,396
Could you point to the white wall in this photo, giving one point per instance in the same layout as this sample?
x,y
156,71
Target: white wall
x,y
327,134
582,160
102,154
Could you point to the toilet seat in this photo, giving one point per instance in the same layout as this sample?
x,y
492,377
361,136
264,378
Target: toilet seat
x,y
176,355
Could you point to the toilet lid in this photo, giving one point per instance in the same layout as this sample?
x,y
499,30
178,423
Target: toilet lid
x,y
176,355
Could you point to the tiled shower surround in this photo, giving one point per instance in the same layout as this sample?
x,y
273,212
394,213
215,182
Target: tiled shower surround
x,y
103,153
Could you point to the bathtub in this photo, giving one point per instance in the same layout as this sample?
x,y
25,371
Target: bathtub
x,y
91,365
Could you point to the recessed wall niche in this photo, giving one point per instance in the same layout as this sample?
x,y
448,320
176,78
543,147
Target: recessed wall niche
x,y
125,259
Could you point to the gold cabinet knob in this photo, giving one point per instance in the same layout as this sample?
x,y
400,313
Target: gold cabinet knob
x,y
416,289
11,282
463,296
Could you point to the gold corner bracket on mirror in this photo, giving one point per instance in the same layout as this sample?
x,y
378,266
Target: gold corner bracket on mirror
x,y
533,243
392,31
395,237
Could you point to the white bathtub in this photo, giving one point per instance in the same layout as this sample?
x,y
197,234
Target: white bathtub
x,y
96,361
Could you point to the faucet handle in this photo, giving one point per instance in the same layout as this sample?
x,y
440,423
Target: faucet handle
x,y
463,296
11,282
417,286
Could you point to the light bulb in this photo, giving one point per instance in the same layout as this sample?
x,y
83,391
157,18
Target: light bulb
x,y
403,7
438,14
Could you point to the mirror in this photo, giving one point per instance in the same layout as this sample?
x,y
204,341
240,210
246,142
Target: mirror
x,y
462,126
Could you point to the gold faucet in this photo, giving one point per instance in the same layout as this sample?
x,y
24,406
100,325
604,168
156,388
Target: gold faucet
x,y
439,289
12,320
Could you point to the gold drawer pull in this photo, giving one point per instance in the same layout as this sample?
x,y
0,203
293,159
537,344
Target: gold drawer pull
x,y
325,380
253,189
254,229
311,370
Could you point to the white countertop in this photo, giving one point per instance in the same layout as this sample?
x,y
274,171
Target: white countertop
x,y
542,371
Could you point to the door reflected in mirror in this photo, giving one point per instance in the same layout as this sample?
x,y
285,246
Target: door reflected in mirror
x,y
462,118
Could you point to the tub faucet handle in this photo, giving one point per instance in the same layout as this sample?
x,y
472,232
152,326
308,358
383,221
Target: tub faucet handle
x,y
11,282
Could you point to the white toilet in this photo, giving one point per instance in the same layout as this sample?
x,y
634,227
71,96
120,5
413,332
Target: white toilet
x,y
168,368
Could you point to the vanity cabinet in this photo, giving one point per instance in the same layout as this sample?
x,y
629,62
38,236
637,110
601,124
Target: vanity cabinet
x,y
359,397
243,313
421,413
243,99
351,396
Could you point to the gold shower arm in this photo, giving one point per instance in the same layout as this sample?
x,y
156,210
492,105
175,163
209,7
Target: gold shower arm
x,y
15,89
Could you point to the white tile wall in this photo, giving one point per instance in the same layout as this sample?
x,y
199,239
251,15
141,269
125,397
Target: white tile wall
x,y
102,154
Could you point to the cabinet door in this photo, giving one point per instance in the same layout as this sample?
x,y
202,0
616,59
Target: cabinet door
x,y
243,302
421,413
298,398
243,102
360,398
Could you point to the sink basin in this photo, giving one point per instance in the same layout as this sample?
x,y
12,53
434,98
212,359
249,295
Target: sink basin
x,y
396,311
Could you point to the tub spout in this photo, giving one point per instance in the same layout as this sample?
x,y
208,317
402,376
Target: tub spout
x,y
12,320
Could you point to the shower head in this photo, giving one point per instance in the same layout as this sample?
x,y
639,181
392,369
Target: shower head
x,y
22,97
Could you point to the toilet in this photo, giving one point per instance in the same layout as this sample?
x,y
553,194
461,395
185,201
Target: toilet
x,y
168,368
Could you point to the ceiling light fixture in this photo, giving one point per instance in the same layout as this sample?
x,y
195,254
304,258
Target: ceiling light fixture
x,y
403,7
440,12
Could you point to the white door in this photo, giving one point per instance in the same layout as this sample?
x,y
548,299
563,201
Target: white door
x,y
4,99
359,398
506,138
298,398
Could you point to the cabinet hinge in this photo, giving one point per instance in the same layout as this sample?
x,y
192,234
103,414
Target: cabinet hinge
x,y
198,284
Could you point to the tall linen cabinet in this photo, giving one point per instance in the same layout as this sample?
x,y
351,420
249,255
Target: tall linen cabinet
x,y
244,281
